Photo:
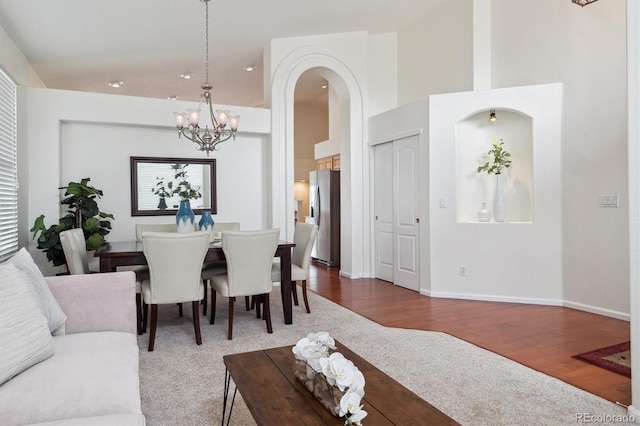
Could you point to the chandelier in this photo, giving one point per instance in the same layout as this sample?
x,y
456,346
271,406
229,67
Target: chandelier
x,y
207,140
583,3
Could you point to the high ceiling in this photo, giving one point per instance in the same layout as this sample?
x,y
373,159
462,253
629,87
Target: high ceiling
x,y
83,44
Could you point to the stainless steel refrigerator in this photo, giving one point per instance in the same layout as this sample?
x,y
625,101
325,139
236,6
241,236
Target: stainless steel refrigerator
x,y
324,211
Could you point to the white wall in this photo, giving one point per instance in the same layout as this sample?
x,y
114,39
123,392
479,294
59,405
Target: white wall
x,y
311,125
435,55
633,67
72,135
510,261
585,49
15,64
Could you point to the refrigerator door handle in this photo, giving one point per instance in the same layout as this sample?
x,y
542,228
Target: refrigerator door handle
x,y
318,206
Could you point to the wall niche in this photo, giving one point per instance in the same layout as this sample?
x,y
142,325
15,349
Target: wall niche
x,y
475,136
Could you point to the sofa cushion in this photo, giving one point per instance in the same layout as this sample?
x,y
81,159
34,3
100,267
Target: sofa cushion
x,y
25,338
92,374
111,420
47,303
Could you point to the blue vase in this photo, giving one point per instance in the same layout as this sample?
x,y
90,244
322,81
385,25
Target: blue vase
x,y
185,218
162,205
206,221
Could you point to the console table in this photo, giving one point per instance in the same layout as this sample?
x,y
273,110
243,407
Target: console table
x,y
267,384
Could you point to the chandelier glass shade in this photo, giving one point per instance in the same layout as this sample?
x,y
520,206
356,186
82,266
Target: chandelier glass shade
x,y
224,125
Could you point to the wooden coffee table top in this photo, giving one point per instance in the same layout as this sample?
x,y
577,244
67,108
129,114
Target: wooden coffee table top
x,y
267,384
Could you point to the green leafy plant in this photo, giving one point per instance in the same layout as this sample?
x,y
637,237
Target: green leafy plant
x,y
83,212
183,187
161,190
496,159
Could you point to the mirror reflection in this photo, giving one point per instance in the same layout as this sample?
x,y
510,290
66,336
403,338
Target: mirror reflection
x,y
156,181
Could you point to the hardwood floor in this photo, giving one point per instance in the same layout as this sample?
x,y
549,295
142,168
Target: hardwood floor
x,y
540,337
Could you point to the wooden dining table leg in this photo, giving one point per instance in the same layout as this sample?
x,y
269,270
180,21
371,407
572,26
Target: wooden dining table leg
x,y
285,284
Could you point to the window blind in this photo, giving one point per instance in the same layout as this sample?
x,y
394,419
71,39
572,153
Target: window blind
x,y
8,167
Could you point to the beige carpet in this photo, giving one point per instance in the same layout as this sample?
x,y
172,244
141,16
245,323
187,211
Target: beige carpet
x,y
181,383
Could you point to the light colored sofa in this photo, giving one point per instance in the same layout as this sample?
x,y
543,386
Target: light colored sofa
x,y
92,378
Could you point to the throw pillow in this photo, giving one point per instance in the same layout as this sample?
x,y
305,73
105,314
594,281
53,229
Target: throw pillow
x,y
25,339
47,303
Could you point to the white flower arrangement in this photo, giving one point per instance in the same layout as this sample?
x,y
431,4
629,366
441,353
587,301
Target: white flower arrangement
x,y
313,352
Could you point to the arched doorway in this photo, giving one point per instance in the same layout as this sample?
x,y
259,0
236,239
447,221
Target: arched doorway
x,y
354,181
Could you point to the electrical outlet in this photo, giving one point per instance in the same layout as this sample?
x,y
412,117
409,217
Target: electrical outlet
x,y
443,203
462,270
609,201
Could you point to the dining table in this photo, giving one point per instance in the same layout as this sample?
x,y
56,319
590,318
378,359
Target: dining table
x,y
113,254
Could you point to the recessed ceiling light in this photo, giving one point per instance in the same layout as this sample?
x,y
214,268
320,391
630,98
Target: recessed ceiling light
x,y
172,98
187,75
116,84
324,86
248,68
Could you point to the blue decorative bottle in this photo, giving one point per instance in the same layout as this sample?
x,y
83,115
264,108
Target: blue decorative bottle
x,y
206,221
185,218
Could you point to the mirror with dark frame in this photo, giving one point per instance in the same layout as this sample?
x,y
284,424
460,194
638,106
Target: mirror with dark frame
x,y
148,174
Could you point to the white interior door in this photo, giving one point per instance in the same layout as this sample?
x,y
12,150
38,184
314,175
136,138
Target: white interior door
x,y
397,228
406,226
383,210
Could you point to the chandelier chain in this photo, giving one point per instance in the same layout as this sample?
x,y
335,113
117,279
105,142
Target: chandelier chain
x,y
206,38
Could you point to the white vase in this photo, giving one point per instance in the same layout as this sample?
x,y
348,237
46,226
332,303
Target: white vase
x,y
499,207
484,214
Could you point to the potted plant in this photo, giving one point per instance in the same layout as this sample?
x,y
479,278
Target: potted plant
x,y
83,212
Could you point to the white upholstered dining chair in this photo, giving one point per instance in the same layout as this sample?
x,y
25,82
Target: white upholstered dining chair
x,y
212,268
74,247
249,255
141,228
175,263
142,271
304,237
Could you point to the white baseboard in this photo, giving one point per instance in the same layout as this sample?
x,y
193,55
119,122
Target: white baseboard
x,y
492,298
351,276
597,310
530,301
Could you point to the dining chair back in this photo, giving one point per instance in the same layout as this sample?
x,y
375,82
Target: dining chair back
x,y
218,267
225,226
142,271
249,255
75,251
175,262
304,237
141,228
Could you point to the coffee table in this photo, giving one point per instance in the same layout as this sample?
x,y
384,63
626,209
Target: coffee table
x,y
273,395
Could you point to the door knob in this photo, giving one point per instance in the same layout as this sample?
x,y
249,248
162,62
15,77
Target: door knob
x,y
417,220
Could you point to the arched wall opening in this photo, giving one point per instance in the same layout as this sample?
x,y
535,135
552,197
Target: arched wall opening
x,y
352,134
